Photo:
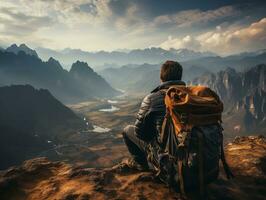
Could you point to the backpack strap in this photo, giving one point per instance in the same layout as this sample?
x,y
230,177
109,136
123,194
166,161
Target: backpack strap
x,y
163,135
181,148
181,179
201,164
227,170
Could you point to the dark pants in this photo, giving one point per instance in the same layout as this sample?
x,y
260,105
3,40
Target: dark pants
x,y
136,146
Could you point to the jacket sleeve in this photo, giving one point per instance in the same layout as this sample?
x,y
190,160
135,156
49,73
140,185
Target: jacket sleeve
x,y
143,120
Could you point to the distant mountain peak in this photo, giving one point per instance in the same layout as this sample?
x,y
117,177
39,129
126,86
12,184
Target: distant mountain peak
x,y
51,59
54,62
14,46
80,67
22,47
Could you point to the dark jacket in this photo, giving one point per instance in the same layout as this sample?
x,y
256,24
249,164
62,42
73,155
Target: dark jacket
x,y
152,111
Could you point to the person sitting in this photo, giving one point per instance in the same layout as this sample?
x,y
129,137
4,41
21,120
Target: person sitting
x,y
150,117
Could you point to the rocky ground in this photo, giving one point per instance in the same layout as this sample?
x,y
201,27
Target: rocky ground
x,y
42,179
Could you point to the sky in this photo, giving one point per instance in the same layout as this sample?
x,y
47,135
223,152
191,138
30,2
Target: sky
x,y
221,26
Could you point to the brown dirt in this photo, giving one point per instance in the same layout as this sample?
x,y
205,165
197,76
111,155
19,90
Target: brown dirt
x,y
42,179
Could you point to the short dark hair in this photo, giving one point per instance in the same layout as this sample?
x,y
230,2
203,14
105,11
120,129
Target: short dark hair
x,y
171,71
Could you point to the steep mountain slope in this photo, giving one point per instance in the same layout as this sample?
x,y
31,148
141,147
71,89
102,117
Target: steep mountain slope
x,y
244,95
22,68
90,81
44,180
32,121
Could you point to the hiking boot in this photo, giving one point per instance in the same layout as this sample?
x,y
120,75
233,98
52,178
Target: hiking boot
x,y
131,165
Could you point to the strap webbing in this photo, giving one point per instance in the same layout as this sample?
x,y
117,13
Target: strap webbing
x,y
227,170
201,165
181,178
163,135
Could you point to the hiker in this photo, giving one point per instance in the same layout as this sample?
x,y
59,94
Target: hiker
x,y
150,117
178,132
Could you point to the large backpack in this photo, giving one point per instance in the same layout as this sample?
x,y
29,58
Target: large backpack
x,y
191,141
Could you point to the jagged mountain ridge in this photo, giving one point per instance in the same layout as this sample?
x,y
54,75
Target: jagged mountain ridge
x,y
42,179
189,58
29,119
136,56
27,69
244,96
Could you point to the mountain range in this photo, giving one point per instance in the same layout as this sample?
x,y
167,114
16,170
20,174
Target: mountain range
x,y
78,84
143,78
32,121
103,59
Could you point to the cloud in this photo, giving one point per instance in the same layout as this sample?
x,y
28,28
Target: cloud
x,y
20,27
119,7
112,24
129,20
236,39
223,40
38,21
190,17
185,42
17,23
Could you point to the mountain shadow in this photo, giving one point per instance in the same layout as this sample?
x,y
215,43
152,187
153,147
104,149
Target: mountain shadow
x,y
32,121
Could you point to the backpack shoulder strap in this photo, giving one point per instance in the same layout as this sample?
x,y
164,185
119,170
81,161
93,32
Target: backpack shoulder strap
x,y
163,134
201,165
227,170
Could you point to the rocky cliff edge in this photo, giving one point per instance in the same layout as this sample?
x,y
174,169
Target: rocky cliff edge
x,y
42,179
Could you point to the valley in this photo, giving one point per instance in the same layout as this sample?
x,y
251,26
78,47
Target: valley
x,y
102,144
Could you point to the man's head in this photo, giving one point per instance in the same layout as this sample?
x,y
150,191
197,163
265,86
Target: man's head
x,y
171,71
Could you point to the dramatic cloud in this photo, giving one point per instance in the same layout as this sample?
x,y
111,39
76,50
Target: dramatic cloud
x,y
235,39
224,40
17,23
190,17
116,24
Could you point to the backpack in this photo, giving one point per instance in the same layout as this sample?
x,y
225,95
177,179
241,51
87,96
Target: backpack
x,y
191,140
